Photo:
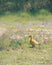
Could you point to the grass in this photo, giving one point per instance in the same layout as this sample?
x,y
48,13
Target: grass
x,y
27,56
24,55
24,17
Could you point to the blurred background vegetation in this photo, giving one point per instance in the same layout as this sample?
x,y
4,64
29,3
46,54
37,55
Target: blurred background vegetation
x,y
31,6
25,10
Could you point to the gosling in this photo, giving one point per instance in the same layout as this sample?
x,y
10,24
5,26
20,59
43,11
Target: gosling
x,y
32,41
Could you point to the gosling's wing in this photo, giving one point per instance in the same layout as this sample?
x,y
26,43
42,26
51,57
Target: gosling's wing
x,y
34,41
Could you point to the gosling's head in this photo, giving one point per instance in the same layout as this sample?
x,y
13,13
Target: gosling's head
x,y
30,36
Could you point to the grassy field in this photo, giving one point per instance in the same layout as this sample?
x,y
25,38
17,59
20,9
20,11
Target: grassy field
x,y
15,29
24,17
27,56
18,52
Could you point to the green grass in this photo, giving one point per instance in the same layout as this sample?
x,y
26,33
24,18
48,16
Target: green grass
x,y
24,17
27,56
24,55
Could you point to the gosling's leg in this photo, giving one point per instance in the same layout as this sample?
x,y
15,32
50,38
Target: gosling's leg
x,y
33,46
